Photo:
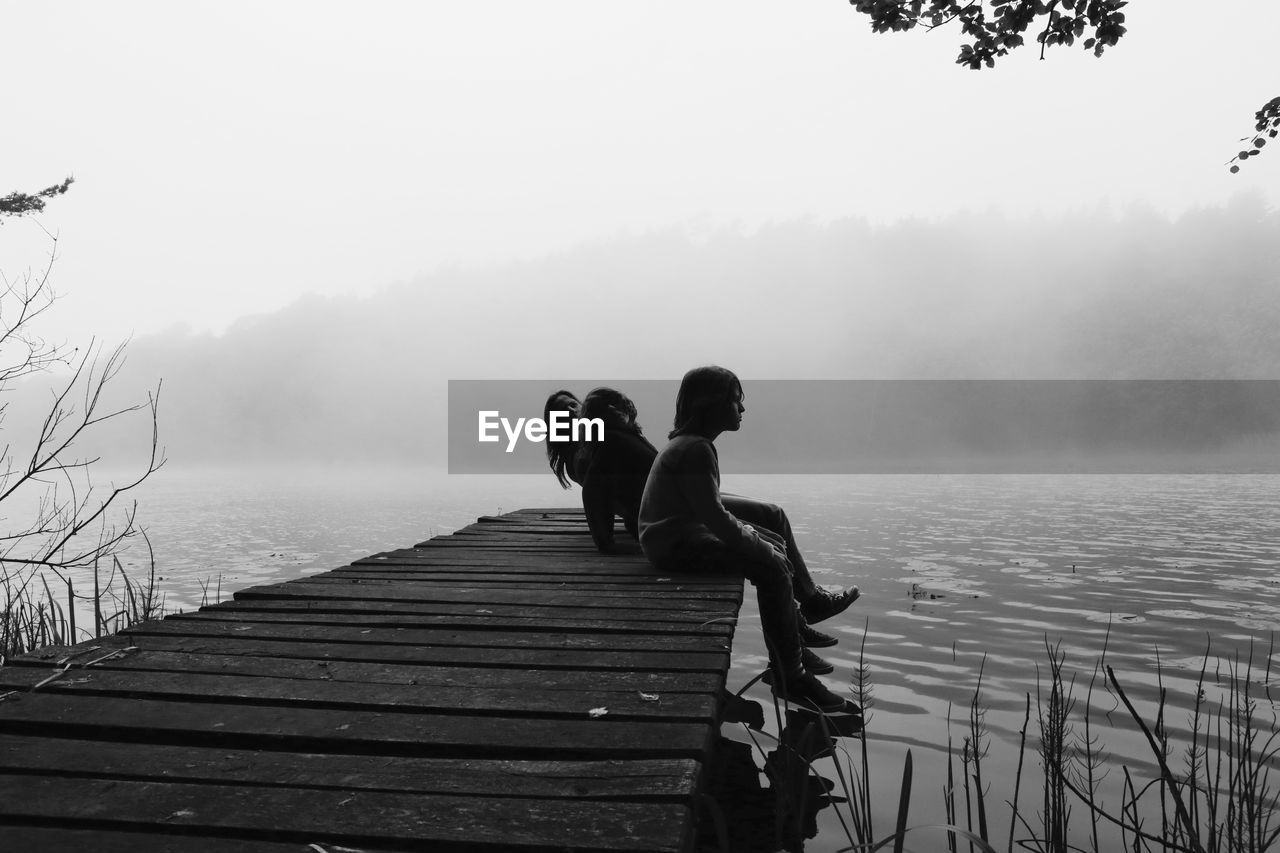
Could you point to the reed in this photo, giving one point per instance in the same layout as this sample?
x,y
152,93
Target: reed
x,y
32,616
1220,797
29,618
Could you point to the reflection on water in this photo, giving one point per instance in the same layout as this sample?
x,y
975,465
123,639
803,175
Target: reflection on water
x,y
958,573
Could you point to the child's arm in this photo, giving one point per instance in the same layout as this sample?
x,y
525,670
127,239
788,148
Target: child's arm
x,y
703,494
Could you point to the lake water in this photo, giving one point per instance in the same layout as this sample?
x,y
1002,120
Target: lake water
x,y
960,575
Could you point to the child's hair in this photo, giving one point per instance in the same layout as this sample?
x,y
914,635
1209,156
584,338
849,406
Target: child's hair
x,y
601,403
701,389
560,453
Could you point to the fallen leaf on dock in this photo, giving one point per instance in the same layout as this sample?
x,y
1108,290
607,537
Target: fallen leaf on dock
x,y
649,697
595,713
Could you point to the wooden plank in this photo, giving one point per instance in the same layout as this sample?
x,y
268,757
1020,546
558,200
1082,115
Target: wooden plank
x,y
392,673
418,821
576,537
590,584
660,600
60,839
519,577
520,561
338,606
482,622
566,703
584,564
551,543
551,515
541,528
560,641
511,563
551,547
391,733
482,583
665,780
479,658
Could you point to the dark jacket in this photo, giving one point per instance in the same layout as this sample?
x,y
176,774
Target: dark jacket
x,y
613,476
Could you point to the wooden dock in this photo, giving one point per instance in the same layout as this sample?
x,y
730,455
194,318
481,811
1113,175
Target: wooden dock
x,y
504,687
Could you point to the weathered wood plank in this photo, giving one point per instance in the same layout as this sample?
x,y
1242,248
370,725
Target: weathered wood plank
x,y
565,703
478,658
657,618
585,564
417,821
660,600
464,561
519,579
474,532
390,673
375,673
668,780
552,548
366,732
540,528
58,839
481,567
467,622
668,643
669,586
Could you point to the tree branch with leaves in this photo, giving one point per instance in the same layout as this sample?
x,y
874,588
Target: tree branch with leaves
x,y
994,28
20,204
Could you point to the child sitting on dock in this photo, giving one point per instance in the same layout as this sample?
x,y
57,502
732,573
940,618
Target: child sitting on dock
x,y
614,470
561,455
613,473
685,526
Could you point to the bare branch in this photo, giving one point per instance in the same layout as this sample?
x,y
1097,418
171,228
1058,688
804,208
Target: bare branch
x,y
76,522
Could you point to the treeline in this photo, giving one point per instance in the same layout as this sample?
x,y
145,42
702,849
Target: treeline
x,y
1098,295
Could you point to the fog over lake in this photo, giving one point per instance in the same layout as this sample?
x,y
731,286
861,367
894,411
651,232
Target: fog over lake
x,y
1007,337
1100,295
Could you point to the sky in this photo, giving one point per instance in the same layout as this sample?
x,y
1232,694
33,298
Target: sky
x,y
231,158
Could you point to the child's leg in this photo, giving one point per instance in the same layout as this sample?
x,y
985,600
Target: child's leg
x,y
779,616
772,517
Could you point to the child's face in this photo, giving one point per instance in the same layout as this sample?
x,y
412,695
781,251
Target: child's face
x,y
565,403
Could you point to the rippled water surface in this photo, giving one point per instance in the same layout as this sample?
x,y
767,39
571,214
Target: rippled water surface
x,y
971,575
962,577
